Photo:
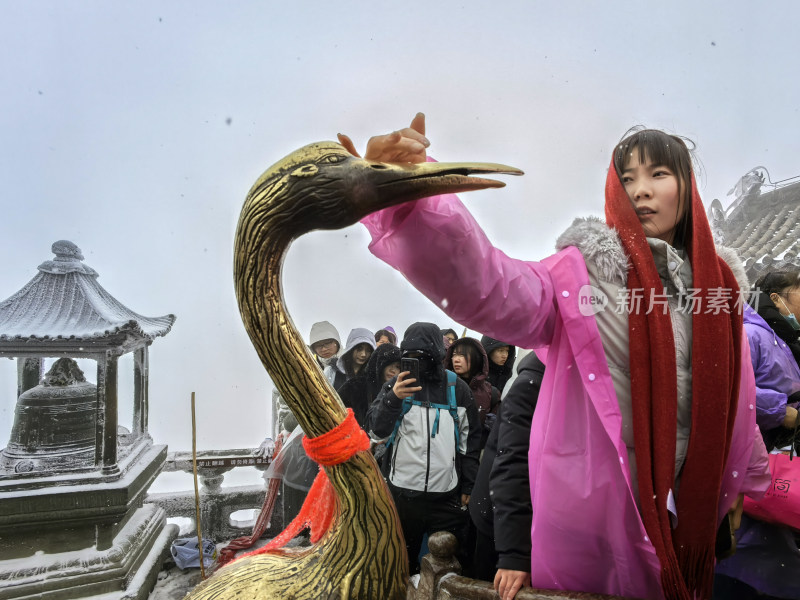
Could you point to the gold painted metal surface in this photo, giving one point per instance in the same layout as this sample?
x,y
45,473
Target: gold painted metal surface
x,y
322,186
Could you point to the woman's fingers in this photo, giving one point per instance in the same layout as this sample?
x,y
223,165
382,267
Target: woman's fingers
x,y
348,144
499,583
405,387
395,147
418,123
515,587
407,145
416,131
508,582
409,386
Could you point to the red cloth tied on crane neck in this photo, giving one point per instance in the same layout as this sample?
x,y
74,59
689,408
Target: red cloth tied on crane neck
x,y
331,448
686,553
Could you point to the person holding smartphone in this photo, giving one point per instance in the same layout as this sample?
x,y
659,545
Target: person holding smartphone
x,y
433,444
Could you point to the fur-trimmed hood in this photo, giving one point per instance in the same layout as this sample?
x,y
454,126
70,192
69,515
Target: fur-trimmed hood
x,y
730,256
600,244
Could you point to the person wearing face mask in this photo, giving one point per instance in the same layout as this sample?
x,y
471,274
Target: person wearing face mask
x,y
432,454
774,349
778,303
324,342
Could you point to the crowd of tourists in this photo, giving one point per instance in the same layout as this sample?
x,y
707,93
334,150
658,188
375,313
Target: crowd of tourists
x,y
428,434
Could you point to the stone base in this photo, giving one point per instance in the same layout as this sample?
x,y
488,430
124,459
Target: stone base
x,y
41,511
127,570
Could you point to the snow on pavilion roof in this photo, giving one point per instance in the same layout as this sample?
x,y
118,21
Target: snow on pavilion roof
x,y
65,301
764,228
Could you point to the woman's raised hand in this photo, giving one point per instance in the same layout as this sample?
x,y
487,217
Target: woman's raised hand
x,y
406,145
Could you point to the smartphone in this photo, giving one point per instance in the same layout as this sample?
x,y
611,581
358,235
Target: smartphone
x,y
412,366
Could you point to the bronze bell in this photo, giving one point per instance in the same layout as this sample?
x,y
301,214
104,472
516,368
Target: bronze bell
x,y
54,424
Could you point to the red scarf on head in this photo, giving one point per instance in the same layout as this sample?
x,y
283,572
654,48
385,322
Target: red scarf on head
x,y
686,553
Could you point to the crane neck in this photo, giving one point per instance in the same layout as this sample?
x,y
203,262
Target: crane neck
x,y
262,240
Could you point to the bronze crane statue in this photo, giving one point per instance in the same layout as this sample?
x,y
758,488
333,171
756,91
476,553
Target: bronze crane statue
x,y
322,186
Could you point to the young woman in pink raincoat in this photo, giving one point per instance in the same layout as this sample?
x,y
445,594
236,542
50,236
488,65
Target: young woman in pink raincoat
x,y
644,436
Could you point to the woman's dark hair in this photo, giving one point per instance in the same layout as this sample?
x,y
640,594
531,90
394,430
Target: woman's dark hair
x,y
385,332
347,359
778,282
671,151
474,357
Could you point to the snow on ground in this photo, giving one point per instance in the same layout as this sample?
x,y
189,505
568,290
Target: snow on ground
x,y
174,583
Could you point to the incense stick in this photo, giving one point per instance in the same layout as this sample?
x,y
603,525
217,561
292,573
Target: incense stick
x,y
197,494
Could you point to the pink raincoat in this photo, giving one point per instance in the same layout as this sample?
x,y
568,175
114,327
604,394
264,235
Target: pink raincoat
x,y
586,533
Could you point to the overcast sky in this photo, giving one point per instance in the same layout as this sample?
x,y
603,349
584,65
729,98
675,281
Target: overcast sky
x,y
135,130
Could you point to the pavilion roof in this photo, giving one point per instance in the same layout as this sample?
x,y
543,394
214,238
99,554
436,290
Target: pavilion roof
x,y
764,228
64,301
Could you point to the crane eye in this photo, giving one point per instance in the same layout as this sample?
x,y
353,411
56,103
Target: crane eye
x,y
332,159
305,171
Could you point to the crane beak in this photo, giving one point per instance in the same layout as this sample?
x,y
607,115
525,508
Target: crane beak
x,y
392,184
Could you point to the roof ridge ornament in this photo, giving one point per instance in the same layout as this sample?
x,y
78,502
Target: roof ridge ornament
x,y
69,259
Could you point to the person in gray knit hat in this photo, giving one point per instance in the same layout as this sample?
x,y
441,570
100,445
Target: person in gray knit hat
x,y
324,342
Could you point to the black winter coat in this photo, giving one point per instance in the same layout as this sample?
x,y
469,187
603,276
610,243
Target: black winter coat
x,y
506,514
354,394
